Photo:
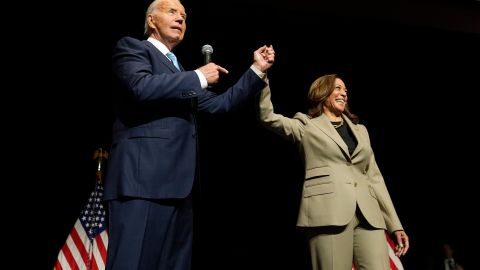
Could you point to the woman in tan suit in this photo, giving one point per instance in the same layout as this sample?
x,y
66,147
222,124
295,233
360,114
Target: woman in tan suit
x,y
345,206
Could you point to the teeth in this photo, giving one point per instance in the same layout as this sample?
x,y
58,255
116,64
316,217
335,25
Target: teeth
x,y
340,100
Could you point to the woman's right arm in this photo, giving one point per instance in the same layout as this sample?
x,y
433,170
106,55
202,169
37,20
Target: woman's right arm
x,y
289,128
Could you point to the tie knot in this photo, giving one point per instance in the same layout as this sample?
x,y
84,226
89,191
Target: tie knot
x,y
173,58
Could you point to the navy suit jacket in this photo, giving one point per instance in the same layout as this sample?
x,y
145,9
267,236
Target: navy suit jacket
x,y
154,142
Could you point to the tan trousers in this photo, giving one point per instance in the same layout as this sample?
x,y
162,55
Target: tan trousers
x,y
336,247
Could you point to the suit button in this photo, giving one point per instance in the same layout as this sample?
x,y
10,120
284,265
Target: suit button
x,y
355,185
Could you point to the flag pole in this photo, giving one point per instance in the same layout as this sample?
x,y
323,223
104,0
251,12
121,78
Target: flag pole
x,y
100,155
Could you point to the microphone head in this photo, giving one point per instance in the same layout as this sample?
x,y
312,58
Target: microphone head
x,y
207,49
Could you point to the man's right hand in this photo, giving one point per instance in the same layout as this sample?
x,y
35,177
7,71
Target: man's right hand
x,y
211,71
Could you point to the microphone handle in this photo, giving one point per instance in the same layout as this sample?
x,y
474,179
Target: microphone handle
x,y
208,58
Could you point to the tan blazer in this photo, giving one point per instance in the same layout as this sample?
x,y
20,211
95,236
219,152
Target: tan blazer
x,y
335,182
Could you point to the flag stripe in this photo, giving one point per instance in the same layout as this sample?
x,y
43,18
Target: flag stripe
x,y
80,238
99,252
104,245
75,253
70,260
395,263
392,256
58,265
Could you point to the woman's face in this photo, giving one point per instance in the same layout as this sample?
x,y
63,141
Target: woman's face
x,y
338,98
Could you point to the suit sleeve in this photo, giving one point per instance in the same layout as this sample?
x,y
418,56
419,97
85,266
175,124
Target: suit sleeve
x,y
244,89
383,197
133,66
291,129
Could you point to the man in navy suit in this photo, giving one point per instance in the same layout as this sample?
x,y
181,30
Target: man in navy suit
x,y
153,158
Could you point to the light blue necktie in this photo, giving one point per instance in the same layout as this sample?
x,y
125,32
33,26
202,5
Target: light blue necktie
x,y
172,57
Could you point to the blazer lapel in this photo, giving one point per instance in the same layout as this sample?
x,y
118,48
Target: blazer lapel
x,y
323,123
356,132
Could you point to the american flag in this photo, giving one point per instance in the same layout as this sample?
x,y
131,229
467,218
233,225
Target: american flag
x,y
395,263
86,245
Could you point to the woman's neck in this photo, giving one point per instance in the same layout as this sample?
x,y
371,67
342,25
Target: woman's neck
x,y
333,117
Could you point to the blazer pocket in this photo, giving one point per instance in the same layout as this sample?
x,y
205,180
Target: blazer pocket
x,y
317,172
315,187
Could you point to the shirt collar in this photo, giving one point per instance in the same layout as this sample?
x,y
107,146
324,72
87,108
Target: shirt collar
x,y
159,45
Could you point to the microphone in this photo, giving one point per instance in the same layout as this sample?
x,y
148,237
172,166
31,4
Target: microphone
x,y
207,51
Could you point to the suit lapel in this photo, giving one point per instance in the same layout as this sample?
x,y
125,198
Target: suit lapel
x,y
323,123
163,58
356,133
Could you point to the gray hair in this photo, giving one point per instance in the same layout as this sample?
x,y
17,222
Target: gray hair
x,y
151,8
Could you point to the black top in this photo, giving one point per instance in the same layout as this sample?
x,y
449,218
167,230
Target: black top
x,y
346,135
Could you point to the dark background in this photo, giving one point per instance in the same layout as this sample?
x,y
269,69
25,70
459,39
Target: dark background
x,y
411,67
